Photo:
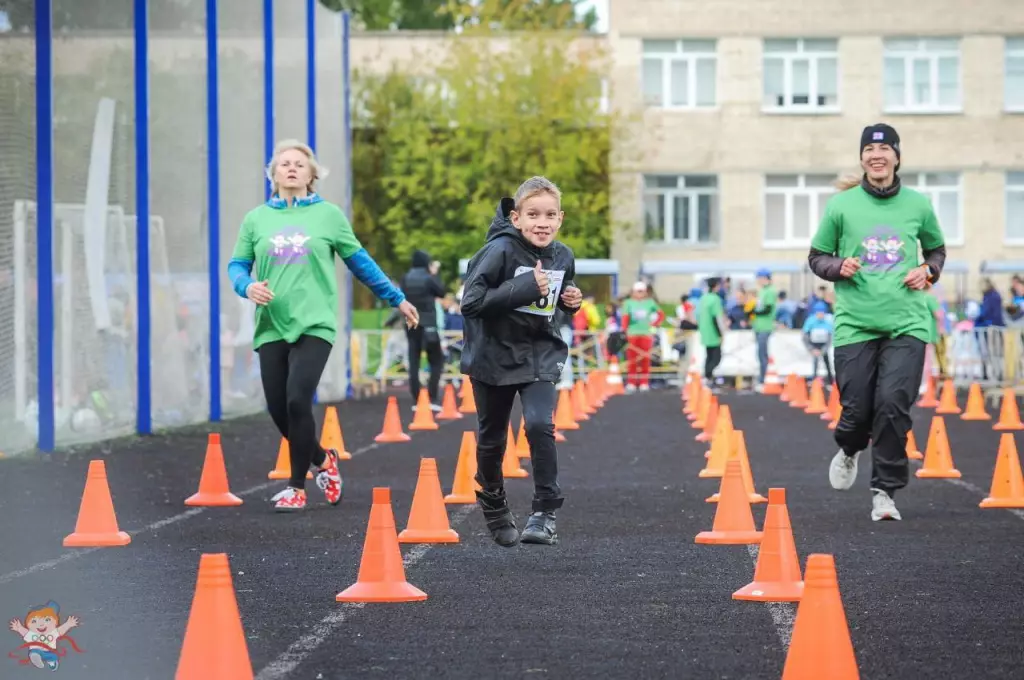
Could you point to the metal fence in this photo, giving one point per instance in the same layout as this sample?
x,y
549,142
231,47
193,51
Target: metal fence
x,y
133,140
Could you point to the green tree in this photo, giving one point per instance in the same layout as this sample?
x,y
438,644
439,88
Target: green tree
x,y
383,15
519,15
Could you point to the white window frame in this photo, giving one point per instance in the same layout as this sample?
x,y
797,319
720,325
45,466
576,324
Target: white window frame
x,y
1014,52
1014,186
693,193
787,59
688,56
952,238
932,54
818,196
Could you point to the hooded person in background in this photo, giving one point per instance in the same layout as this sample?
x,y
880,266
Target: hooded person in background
x,y
422,288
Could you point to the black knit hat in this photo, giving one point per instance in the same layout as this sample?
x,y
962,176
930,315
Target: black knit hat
x,y
880,133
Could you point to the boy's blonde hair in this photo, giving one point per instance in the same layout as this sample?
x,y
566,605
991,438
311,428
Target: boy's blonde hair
x,y
317,171
535,186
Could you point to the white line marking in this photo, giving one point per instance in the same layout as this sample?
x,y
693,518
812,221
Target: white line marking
x,y
783,613
300,650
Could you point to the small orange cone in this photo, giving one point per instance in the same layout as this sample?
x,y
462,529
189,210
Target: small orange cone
x,y
787,390
424,418
522,443
913,453
799,399
820,648
579,407
1009,416
710,420
975,409
1007,490
739,451
816,405
721,444
97,523
928,400
559,437
392,431
449,409
835,423
468,401
283,468
330,434
213,484
465,472
564,412
615,386
832,413
428,519
510,466
734,521
947,405
699,402
777,574
214,645
938,459
772,385
381,572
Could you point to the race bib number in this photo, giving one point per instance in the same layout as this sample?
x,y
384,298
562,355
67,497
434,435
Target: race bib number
x,y
820,336
545,306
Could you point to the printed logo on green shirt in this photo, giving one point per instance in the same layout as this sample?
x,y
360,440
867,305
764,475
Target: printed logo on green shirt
x,y
883,249
288,246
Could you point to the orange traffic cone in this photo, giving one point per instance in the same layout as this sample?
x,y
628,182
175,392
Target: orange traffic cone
x,y
97,523
424,418
913,453
777,574
787,390
283,468
559,437
772,386
938,459
820,648
213,483
594,391
721,444
586,399
928,400
947,405
381,572
816,405
564,412
510,466
468,401
214,645
835,423
799,398
579,408
465,472
522,443
449,409
428,519
832,412
734,521
1009,416
975,409
330,434
700,396
1007,490
615,385
739,451
710,420
392,431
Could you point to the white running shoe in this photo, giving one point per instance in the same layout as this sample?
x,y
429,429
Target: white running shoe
x,y
883,506
842,473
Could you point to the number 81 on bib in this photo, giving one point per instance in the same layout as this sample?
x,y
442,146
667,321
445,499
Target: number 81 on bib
x,y
544,306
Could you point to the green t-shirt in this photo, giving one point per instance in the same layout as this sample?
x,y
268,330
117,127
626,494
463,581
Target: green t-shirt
x,y
293,248
767,298
709,308
641,314
884,235
933,306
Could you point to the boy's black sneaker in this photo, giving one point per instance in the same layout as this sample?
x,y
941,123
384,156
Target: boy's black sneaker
x,y
500,521
540,528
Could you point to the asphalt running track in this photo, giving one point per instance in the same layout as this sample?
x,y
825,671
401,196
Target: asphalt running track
x,y
626,593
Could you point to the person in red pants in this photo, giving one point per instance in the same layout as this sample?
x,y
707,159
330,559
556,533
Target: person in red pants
x,y
641,317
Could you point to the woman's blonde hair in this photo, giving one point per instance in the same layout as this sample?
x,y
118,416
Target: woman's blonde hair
x,y
535,186
317,171
847,182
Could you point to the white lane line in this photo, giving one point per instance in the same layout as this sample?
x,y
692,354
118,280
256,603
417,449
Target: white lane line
x,y
301,649
783,613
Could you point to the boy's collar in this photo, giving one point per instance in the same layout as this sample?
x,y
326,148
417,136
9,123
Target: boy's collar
x,y
279,203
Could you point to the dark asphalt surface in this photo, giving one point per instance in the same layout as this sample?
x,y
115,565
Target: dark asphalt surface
x,y
626,594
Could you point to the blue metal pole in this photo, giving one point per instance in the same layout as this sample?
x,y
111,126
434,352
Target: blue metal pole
x,y
311,73
143,417
213,197
346,104
44,226
268,85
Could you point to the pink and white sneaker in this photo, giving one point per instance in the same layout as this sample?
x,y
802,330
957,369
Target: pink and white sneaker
x,y
290,500
328,478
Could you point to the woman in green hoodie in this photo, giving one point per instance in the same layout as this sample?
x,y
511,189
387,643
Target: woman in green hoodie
x,y
867,244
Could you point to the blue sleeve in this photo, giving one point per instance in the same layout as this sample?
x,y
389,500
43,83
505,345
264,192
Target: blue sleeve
x,y
364,268
239,271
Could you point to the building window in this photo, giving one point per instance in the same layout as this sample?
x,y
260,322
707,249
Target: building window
x,y
1015,208
943,188
681,209
1014,79
679,74
793,208
922,76
801,75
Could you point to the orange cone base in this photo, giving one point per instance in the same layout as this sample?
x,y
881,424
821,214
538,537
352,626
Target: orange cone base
x,y
728,537
1002,503
219,500
770,592
429,426
460,498
938,474
449,536
999,427
976,416
392,438
517,474
104,540
753,498
915,455
342,455
381,592
707,474
703,437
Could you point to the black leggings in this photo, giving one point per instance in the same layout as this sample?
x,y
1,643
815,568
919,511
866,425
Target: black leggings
x,y
290,375
713,357
420,340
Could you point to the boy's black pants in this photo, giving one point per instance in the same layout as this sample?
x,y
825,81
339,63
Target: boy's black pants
x,y
878,382
713,357
290,375
494,408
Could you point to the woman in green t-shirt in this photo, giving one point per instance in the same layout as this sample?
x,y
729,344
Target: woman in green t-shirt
x,y
867,244
290,243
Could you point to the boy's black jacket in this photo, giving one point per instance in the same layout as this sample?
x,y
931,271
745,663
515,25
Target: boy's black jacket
x,y
503,346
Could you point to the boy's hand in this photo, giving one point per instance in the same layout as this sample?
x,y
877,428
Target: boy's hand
x,y
542,279
572,297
